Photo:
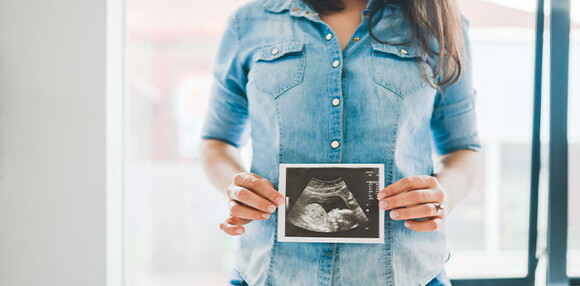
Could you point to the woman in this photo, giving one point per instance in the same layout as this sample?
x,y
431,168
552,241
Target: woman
x,y
320,81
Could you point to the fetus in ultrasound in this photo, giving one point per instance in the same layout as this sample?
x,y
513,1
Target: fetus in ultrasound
x,y
326,206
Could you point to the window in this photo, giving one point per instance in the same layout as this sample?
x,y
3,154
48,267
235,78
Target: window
x,y
171,211
488,232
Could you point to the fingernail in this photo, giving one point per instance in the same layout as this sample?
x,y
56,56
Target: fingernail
x,y
394,214
239,231
381,196
271,208
383,204
280,201
265,215
407,224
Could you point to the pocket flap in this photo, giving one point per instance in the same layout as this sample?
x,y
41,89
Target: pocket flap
x,y
403,51
273,51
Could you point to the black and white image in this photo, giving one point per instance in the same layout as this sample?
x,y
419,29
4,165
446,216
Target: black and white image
x,y
331,203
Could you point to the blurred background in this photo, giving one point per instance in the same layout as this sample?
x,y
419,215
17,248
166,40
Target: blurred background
x,y
172,212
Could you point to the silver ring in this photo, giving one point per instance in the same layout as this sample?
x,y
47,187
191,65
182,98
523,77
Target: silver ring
x,y
438,206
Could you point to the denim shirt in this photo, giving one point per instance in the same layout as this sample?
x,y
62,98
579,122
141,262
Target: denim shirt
x,y
281,79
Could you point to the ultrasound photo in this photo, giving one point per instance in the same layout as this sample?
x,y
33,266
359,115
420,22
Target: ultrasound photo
x,y
331,203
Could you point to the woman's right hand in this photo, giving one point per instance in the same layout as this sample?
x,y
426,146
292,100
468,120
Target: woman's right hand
x,y
251,197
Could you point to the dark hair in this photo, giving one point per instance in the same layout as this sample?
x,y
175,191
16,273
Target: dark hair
x,y
325,6
428,18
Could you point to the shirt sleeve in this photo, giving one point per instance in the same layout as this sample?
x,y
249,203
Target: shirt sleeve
x,y
227,115
453,121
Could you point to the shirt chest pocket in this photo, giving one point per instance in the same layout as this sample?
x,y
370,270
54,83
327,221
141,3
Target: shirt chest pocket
x,y
278,67
397,68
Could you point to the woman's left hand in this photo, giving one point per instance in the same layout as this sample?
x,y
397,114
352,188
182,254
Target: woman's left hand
x,y
415,197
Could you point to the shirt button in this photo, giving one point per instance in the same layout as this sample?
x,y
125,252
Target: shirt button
x,y
404,52
275,51
335,101
334,144
356,39
329,36
336,63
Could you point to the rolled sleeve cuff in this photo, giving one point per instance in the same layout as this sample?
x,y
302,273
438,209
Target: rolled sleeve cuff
x,y
469,143
233,143
455,127
236,135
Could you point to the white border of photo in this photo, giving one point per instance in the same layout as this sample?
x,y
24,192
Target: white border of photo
x,y
282,209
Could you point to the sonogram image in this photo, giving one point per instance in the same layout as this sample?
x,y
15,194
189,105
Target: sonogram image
x,y
333,202
326,206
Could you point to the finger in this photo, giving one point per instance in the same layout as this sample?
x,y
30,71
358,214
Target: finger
x,y
259,185
251,199
231,229
233,225
407,184
234,220
424,225
239,210
410,198
413,212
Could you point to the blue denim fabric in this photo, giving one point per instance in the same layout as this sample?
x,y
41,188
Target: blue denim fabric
x,y
236,279
275,82
440,280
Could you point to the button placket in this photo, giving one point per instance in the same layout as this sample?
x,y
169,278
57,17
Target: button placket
x,y
327,256
335,92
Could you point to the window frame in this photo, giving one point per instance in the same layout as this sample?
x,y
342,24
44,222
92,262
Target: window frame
x,y
116,121
557,231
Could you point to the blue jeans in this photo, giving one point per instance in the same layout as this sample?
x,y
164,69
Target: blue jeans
x,y
440,280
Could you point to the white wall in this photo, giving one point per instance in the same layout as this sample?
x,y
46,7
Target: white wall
x,y
52,142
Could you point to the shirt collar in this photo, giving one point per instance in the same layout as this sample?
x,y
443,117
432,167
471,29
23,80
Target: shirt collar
x,y
277,5
296,5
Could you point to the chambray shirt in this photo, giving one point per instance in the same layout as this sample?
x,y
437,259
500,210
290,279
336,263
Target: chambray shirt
x,y
281,79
